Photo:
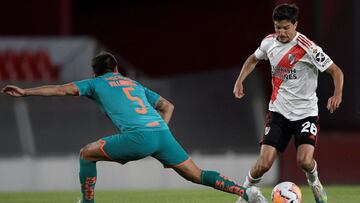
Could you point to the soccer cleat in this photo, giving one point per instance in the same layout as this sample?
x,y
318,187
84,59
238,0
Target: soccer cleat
x,y
254,195
79,201
318,191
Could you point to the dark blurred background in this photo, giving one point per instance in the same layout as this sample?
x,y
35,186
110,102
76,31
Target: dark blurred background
x,y
163,38
192,52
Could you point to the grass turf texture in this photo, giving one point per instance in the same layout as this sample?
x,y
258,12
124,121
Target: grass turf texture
x,y
336,194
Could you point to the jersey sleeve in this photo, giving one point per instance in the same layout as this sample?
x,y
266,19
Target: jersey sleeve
x,y
86,87
260,52
151,96
320,59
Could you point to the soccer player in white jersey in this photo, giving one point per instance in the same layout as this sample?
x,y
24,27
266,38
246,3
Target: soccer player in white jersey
x,y
295,62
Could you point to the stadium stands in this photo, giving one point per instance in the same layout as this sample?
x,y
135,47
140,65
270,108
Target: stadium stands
x,y
27,65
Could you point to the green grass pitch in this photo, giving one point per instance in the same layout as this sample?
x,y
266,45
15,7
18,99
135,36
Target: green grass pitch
x,y
336,194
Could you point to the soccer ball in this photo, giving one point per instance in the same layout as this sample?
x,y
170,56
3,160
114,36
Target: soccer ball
x,y
286,192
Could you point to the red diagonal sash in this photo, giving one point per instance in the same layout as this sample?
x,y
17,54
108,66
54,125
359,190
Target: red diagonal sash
x,y
298,53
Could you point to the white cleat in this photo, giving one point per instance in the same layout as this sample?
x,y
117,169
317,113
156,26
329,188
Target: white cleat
x,y
254,195
318,191
79,201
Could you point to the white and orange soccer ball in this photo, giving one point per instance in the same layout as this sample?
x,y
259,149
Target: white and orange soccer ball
x,y
286,192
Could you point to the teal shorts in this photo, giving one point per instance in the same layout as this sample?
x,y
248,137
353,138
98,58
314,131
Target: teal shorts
x,y
135,145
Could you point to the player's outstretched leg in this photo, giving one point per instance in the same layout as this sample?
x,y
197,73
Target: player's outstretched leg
x,y
249,182
265,160
88,157
214,179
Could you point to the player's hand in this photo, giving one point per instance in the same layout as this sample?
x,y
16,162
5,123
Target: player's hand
x,y
13,91
238,90
333,103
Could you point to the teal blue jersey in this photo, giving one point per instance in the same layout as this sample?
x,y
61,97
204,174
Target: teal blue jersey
x,y
127,103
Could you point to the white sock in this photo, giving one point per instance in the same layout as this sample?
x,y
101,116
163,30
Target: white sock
x,y
250,181
312,176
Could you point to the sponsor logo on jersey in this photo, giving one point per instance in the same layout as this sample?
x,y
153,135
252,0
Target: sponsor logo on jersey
x,y
284,73
320,57
328,60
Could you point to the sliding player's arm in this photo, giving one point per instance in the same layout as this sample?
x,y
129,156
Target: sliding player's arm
x,y
247,68
165,109
69,89
338,79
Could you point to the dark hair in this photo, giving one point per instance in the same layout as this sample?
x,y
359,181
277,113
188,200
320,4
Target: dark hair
x,y
103,63
286,12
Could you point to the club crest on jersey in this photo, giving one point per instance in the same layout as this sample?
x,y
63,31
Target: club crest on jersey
x,y
291,58
267,130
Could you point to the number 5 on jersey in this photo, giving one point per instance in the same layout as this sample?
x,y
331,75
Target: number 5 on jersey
x,y
141,110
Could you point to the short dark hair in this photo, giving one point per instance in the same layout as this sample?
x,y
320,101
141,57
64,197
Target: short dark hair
x,y
288,12
103,63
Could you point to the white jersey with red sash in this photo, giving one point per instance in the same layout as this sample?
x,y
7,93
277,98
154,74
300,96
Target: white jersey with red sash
x,y
294,69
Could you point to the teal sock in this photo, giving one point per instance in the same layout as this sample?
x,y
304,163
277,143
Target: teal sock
x,y
87,176
223,183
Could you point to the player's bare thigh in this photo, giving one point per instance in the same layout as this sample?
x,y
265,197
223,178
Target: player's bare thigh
x,y
268,155
266,159
93,152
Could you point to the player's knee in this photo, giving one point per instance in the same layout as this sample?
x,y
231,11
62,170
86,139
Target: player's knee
x,y
305,163
85,152
82,152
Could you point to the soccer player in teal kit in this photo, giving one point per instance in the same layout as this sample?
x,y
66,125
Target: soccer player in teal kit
x,y
141,115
